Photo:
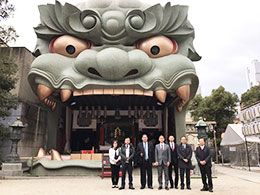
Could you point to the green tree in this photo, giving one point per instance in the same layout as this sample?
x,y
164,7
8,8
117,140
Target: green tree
x,y
7,33
7,100
251,96
7,69
194,105
7,82
220,106
6,9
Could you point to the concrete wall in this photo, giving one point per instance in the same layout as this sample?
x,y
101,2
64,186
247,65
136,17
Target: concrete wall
x,y
27,109
23,58
34,135
31,141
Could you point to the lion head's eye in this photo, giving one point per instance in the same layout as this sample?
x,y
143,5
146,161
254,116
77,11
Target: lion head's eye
x,y
158,46
69,46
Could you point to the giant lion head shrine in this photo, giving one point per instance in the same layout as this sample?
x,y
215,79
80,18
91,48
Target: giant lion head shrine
x,y
108,69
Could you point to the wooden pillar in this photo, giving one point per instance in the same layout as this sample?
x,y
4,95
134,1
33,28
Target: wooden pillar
x,y
180,124
67,148
171,122
101,136
165,123
133,135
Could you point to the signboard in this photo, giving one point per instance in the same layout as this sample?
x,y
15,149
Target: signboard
x,y
232,149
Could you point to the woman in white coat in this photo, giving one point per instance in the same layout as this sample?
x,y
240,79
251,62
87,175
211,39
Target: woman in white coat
x,y
114,159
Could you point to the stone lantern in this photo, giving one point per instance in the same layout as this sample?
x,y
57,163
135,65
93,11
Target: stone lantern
x,y
202,129
12,165
15,137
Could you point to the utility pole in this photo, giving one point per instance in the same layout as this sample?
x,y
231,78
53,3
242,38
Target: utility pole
x,y
247,154
215,143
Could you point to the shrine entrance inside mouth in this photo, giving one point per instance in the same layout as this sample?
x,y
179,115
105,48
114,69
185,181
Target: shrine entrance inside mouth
x,y
92,122
119,129
82,139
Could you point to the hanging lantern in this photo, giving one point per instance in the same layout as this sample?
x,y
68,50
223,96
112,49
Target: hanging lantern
x,y
129,112
117,114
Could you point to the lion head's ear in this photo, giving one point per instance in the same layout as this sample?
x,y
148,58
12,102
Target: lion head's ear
x,y
42,47
193,55
36,53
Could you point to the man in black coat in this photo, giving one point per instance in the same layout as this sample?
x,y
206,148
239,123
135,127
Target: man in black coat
x,y
174,162
127,153
145,157
204,160
185,153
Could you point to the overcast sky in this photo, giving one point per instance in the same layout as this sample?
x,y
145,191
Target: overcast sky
x,y
227,36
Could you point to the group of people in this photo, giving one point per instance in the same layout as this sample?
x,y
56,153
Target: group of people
x,y
167,157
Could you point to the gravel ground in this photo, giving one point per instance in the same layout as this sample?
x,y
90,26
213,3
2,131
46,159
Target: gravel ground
x,y
228,182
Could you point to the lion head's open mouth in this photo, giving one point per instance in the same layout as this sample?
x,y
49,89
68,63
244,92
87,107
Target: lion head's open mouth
x,y
158,97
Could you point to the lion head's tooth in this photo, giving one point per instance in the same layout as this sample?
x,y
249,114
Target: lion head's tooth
x,y
184,93
161,95
43,92
65,94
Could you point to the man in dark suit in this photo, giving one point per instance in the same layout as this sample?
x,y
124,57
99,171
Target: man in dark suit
x,y
174,162
162,160
204,160
185,153
127,153
145,157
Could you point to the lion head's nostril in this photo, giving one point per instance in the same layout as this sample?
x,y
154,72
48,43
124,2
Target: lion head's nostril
x,y
94,71
131,72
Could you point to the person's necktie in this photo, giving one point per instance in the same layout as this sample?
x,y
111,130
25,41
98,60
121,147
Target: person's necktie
x,y
146,151
202,154
161,147
172,146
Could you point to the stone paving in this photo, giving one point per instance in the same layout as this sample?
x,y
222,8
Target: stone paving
x,y
228,182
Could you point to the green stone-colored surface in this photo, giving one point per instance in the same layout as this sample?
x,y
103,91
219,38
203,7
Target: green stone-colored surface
x,y
45,166
114,26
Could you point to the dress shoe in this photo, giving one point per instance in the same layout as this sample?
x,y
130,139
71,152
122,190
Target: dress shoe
x,y
176,187
160,188
188,188
142,187
204,189
171,187
166,188
182,187
116,186
131,188
121,188
210,190
113,186
150,187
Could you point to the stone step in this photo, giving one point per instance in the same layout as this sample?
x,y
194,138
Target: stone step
x,y
12,166
12,173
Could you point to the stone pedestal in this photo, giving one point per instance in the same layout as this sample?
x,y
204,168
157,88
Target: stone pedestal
x,y
12,169
196,170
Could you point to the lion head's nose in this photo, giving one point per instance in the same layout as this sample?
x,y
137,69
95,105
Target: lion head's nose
x,y
113,64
